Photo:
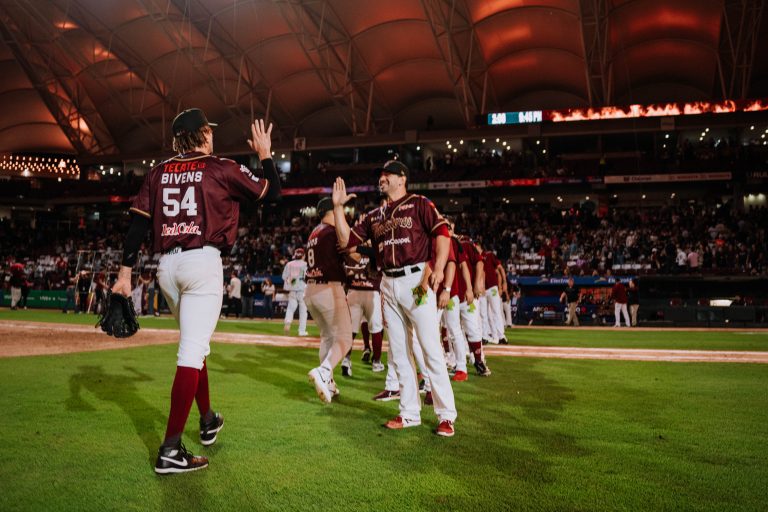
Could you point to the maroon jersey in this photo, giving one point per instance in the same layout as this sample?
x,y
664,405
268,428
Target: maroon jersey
x,y
451,257
192,200
490,262
361,275
324,263
459,287
619,293
473,256
400,231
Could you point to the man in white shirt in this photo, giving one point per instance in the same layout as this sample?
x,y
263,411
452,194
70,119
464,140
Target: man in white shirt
x,y
294,282
234,292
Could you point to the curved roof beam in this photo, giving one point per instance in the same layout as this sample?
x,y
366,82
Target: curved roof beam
x,y
398,21
445,26
73,107
537,49
245,70
649,42
86,20
30,123
523,8
408,61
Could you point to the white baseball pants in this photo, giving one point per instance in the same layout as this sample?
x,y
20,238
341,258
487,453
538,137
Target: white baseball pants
x,y
452,320
296,299
192,283
470,321
402,314
328,305
495,315
621,308
365,304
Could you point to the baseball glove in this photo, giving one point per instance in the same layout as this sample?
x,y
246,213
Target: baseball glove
x,y
119,317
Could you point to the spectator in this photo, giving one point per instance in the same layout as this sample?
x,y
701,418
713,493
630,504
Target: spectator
x,y
570,296
633,298
248,291
268,289
83,289
234,294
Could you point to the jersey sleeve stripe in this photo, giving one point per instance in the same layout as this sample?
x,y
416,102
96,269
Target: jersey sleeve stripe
x,y
438,225
264,192
140,212
352,233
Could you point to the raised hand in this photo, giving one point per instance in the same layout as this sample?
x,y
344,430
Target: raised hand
x,y
340,196
261,139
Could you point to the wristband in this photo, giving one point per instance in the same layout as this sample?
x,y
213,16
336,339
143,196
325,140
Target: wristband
x,y
447,288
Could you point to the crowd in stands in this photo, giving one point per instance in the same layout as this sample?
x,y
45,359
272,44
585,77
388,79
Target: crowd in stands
x,y
481,162
531,240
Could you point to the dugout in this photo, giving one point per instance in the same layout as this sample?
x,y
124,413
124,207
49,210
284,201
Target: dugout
x,y
665,301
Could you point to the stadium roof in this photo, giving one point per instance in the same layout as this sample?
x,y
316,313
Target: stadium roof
x,y
97,77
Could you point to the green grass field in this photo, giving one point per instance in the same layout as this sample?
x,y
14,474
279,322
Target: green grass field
x,y
81,433
599,338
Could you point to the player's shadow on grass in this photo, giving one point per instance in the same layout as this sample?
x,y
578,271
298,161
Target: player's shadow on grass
x,y
180,492
265,365
121,390
498,432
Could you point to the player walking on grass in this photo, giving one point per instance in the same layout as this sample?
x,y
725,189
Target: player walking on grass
x,y
326,300
191,204
364,299
401,231
294,282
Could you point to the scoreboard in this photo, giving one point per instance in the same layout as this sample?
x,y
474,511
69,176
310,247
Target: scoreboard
x,y
526,117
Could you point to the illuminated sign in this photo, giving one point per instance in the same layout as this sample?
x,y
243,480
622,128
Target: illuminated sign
x,y
628,112
530,116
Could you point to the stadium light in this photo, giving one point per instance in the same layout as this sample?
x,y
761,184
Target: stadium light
x,y
752,127
483,141
418,148
461,141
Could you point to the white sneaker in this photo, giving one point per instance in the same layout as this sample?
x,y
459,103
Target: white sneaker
x,y
305,333
346,367
334,390
377,366
321,385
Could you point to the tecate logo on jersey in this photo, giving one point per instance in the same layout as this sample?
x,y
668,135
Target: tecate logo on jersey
x,y
397,241
181,228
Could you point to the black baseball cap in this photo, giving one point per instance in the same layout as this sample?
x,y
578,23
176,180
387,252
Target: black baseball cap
x,y
190,121
395,167
324,206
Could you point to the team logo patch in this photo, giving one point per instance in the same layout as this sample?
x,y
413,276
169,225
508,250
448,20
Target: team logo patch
x,y
248,173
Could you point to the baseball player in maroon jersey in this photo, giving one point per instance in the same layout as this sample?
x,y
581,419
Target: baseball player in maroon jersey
x,y
495,285
364,299
458,294
191,204
401,232
470,311
326,300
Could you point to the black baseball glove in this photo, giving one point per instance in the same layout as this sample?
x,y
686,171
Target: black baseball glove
x,y
119,317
